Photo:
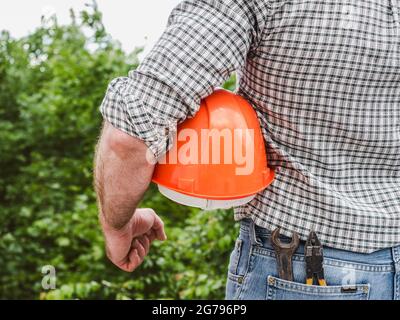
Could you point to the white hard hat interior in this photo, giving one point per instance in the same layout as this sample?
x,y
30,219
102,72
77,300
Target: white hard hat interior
x,y
205,204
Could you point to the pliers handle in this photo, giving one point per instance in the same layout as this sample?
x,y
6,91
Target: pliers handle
x,y
314,260
321,282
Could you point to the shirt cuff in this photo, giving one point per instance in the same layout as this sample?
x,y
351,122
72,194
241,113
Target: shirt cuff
x,y
123,107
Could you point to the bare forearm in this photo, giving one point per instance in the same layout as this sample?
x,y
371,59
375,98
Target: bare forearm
x,y
122,175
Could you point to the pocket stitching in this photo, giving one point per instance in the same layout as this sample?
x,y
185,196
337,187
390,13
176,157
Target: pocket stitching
x,y
279,284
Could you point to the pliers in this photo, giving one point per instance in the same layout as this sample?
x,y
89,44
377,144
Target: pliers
x,y
314,260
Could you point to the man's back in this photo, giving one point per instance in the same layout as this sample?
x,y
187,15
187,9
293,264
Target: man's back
x,y
325,79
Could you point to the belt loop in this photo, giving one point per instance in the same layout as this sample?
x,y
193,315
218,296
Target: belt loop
x,y
396,261
396,257
253,237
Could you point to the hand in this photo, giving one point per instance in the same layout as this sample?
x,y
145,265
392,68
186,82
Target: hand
x,y
127,247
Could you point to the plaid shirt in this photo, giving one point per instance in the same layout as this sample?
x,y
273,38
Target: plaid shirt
x,y
324,78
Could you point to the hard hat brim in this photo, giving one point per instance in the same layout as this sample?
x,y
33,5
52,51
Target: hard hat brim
x,y
267,181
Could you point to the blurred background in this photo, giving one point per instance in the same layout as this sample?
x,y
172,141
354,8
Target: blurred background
x,y
55,65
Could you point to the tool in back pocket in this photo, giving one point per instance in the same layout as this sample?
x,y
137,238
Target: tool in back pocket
x,y
314,260
284,253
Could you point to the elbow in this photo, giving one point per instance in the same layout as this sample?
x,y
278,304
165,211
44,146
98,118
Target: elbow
x,y
122,144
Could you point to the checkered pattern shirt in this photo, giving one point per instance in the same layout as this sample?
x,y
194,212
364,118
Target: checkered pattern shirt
x,y
324,78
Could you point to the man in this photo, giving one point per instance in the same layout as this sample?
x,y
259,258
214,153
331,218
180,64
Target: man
x,y
324,77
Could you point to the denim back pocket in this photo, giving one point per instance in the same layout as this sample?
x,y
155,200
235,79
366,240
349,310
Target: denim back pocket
x,y
278,289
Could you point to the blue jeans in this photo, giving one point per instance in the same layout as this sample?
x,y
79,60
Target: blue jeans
x,y
253,273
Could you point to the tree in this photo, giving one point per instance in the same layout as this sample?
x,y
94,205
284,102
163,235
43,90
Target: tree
x,y
51,85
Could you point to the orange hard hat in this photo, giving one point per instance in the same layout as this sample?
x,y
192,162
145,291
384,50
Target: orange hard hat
x,y
218,159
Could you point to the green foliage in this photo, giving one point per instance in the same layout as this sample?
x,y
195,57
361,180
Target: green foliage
x,y
51,84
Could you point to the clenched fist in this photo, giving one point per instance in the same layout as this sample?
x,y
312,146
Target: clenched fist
x,y
127,247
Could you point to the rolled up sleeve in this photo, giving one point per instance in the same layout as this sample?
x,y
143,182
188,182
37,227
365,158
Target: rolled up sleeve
x,y
203,43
